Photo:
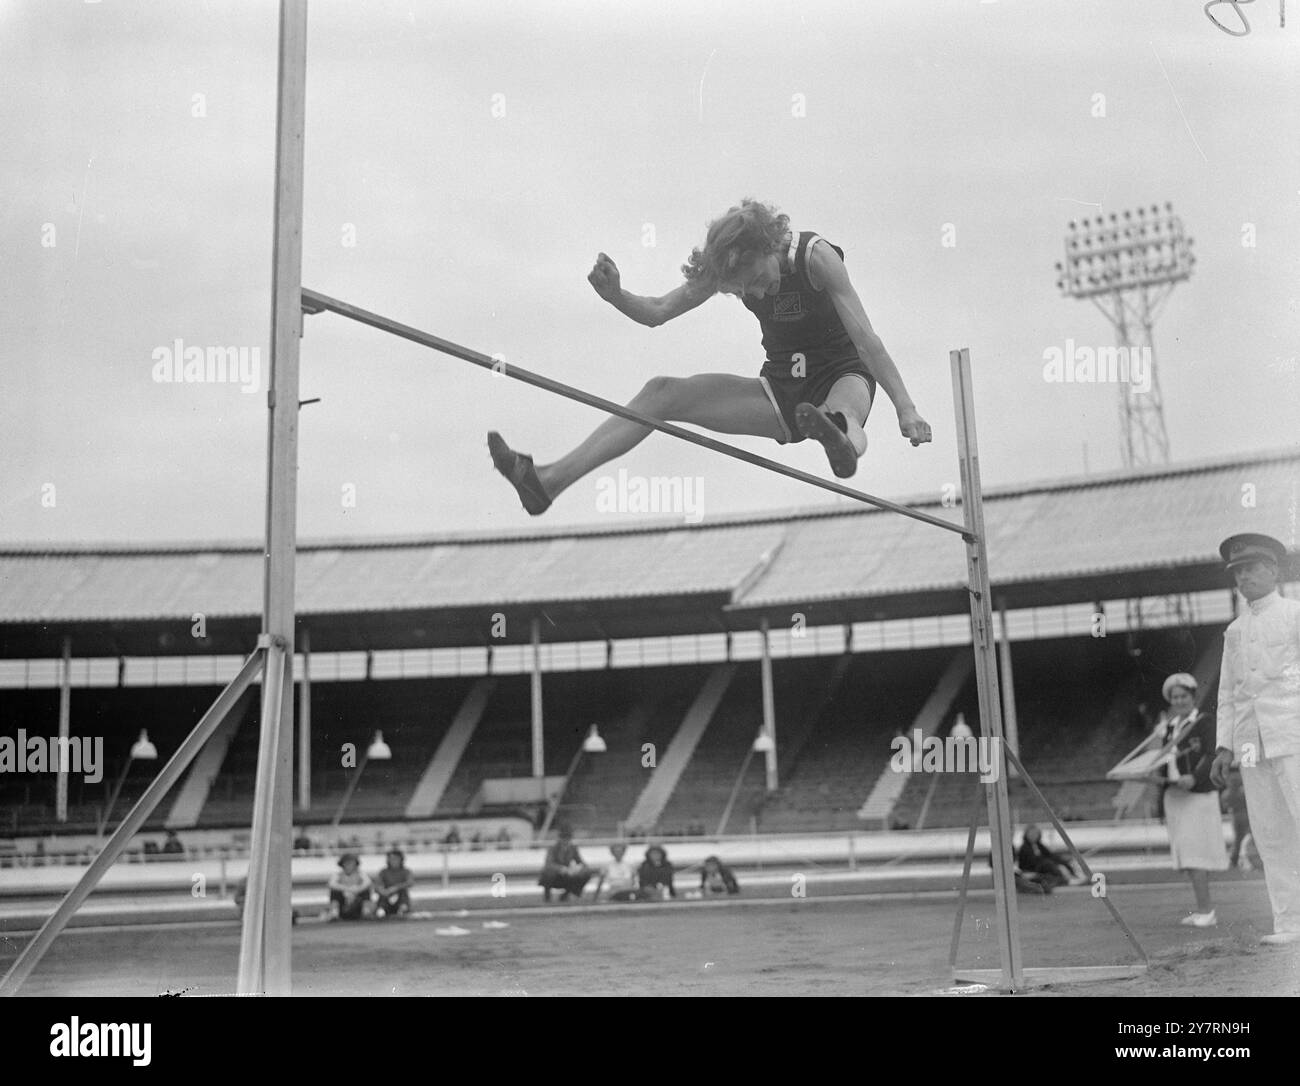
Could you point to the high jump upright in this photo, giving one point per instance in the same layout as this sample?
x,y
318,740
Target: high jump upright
x,y
264,954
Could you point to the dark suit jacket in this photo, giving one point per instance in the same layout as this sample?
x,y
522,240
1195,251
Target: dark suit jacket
x,y
1196,752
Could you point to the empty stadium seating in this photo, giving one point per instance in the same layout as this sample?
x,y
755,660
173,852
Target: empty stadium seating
x,y
1078,707
117,714
849,746
641,707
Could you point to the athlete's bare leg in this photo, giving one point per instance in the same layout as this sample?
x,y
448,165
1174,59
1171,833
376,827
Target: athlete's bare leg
x,y
720,402
837,423
851,397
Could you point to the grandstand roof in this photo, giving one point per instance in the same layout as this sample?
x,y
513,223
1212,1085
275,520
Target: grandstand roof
x,y
1121,534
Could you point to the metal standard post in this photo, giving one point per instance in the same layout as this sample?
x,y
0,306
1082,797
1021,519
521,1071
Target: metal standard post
x,y
986,669
769,710
253,965
264,955
65,725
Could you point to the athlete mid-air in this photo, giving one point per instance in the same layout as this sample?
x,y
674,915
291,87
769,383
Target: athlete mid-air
x,y
823,361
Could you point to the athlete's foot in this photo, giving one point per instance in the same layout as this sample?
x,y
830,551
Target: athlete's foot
x,y
815,423
522,475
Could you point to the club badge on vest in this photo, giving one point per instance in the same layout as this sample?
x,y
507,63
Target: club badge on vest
x,y
788,307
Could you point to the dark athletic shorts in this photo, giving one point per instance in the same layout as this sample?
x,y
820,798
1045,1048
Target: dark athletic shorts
x,y
787,392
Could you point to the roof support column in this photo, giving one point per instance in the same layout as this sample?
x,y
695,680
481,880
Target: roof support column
x,y
65,724
769,711
304,724
539,751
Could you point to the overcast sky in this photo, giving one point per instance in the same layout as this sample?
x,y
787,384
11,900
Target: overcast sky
x,y
467,160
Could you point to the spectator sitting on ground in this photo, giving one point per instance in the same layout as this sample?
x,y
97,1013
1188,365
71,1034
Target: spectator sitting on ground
x,y
618,879
350,890
172,845
453,836
1026,882
655,875
717,879
503,838
393,886
301,842
1035,858
563,868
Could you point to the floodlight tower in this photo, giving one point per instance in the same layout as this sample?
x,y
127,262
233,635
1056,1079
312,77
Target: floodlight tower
x,y
1127,266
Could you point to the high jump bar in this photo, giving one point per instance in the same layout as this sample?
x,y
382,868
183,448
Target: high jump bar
x,y
314,302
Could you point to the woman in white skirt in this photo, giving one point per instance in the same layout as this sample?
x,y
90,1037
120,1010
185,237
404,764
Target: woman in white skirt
x,y
1191,801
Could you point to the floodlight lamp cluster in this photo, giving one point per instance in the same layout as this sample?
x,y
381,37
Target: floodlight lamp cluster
x,y
1123,250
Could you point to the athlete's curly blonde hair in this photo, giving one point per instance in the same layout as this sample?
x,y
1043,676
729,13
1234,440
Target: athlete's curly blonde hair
x,y
749,230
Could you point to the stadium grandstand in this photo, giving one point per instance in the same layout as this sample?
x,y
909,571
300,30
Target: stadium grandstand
x,y
484,660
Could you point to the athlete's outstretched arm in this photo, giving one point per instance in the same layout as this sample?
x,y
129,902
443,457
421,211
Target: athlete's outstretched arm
x,y
829,273
604,279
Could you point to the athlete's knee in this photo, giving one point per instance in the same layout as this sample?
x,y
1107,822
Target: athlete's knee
x,y
659,394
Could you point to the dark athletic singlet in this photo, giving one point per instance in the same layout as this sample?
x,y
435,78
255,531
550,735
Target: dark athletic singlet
x,y
799,318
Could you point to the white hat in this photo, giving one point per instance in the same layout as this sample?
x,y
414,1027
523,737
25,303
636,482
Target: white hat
x,y
1187,682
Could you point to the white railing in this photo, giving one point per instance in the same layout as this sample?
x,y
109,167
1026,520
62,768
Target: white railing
x,y
849,850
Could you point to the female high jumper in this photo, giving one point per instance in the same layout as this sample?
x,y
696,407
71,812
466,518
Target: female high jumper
x,y
818,381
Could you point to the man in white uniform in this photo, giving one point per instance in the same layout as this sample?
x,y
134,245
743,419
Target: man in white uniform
x,y
1259,719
